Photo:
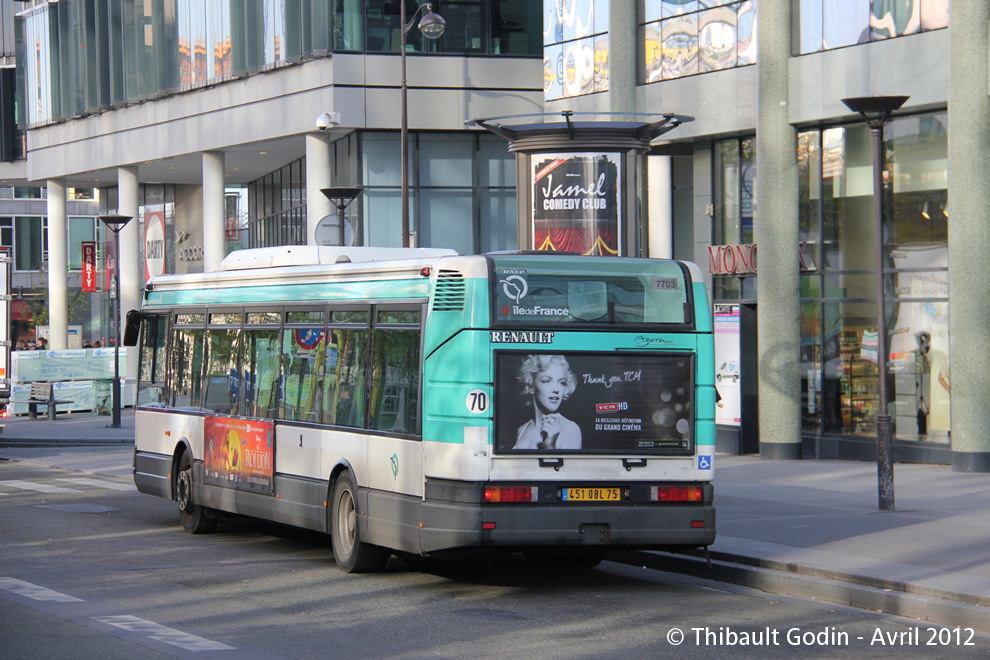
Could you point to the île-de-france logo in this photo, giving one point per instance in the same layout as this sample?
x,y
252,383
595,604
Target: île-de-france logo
x,y
514,287
395,466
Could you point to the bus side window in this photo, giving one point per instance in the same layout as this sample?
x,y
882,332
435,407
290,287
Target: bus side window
x,y
186,386
221,385
259,365
344,375
302,361
151,375
395,371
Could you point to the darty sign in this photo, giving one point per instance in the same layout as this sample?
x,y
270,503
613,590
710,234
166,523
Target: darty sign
x,y
154,244
742,259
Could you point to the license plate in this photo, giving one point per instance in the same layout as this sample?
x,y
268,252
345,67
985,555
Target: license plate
x,y
591,495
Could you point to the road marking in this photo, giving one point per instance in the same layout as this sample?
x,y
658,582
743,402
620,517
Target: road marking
x,y
40,488
100,483
131,624
34,592
162,633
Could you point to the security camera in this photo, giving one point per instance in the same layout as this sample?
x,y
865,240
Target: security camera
x,y
327,120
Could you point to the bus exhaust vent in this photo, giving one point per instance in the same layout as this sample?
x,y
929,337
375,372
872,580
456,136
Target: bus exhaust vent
x,y
450,292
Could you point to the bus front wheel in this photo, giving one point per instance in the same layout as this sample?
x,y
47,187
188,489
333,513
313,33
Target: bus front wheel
x,y
195,519
351,554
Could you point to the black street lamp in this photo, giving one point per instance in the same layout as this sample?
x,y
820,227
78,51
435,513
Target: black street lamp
x,y
340,197
875,110
432,26
115,223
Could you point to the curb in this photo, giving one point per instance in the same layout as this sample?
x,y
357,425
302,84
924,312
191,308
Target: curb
x,y
66,443
900,599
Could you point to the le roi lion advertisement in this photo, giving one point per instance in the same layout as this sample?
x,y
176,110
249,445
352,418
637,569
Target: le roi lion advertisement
x,y
239,454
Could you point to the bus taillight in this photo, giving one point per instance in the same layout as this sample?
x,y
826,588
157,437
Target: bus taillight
x,y
675,493
514,494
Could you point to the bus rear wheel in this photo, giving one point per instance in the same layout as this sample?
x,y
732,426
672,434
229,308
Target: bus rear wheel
x,y
349,551
195,519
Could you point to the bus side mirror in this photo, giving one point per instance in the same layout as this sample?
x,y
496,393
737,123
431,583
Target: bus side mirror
x,y
132,328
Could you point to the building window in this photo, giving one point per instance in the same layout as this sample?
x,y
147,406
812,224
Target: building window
x,y
838,343
684,37
575,48
733,189
828,24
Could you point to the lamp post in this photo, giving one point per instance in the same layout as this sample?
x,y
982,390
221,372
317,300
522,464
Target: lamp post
x,y
432,26
115,223
875,110
340,197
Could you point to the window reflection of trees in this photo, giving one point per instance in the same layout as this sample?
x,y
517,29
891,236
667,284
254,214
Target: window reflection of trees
x,y
302,364
222,381
395,380
259,372
187,366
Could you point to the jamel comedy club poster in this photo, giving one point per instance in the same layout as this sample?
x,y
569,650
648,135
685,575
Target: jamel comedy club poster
x,y
576,203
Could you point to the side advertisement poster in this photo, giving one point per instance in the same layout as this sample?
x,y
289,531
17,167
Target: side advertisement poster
x,y
595,402
239,454
728,411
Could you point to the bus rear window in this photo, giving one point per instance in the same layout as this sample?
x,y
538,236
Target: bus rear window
x,y
590,290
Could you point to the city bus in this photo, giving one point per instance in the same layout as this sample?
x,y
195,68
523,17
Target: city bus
x,y
414,401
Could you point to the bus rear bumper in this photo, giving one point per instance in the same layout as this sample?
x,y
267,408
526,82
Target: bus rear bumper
x,y
450,526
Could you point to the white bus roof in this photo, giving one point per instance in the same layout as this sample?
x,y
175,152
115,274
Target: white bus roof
x,y
316,255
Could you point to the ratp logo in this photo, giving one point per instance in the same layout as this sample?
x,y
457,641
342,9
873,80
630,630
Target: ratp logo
x,y
514,287
395,466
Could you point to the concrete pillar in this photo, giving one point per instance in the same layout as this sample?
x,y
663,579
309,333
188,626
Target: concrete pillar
x,y
318,175
969,233
622,51
778,317
131,265
661,207
58,267
213,211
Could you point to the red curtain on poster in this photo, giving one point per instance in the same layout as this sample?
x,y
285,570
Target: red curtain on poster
x,y
583,240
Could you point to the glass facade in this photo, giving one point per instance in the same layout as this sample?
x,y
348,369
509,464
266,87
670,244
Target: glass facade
x,y
687,37
462,193
575,48
89,56
828,24
838,281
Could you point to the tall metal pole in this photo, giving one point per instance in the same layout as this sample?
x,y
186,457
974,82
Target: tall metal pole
x,y
885,431
404,134
432,27
875,110
115,223
116,329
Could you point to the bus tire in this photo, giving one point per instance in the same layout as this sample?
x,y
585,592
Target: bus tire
x,y
195,519
351,554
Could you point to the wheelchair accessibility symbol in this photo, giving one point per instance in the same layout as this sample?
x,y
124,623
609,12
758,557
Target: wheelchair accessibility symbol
x,y
704,462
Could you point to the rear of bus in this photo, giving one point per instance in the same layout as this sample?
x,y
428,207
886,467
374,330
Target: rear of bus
x,y
568,403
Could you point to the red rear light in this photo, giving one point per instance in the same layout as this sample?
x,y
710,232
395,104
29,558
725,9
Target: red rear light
x,y
514,494
676,494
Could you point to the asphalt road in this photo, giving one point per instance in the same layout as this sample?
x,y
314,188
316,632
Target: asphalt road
x,y
91,568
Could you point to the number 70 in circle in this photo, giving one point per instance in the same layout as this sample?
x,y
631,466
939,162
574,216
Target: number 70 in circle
x,y
477,401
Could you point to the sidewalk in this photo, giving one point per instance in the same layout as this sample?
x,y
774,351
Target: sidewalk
x,y
69,429
806,528
813,529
